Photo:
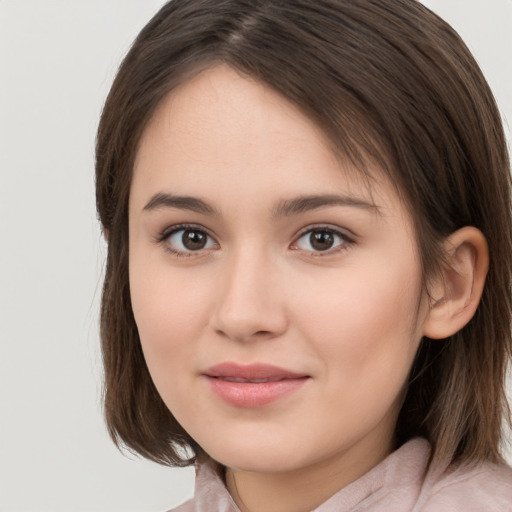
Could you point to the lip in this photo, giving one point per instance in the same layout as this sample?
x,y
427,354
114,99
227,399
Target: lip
x,y
253,385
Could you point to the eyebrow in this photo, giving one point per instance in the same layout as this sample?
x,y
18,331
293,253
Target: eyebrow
x,y
284,208
193,204
303,204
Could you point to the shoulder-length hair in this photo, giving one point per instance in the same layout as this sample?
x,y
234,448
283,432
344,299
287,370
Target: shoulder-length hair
x,y
386,80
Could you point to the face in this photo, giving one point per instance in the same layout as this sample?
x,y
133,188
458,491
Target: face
x,y
278,299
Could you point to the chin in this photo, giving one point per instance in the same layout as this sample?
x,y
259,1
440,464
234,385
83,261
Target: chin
x,y
261,457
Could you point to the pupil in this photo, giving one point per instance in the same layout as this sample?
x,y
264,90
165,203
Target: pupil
x,y
194,240
321,240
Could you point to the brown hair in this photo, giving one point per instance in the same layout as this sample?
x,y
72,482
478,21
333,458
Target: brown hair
x,y
385,79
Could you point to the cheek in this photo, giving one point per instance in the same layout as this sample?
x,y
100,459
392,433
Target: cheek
x,y
171,312
365,321
170,317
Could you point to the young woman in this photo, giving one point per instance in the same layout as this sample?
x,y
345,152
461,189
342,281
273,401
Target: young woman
x,y
307,294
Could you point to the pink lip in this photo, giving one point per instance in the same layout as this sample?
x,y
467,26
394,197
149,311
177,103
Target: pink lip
x,y
252,385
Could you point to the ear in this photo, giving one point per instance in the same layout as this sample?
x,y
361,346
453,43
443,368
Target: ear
x,y
456,292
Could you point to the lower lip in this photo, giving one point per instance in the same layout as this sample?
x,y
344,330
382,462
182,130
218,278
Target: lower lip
x,y
252,394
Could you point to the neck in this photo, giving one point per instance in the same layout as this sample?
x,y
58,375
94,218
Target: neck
x,y
304,489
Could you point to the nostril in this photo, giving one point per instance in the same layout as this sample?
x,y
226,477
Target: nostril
x,y
244,336
263,334
244,313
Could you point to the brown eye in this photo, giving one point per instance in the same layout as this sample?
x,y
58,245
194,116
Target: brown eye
x,y
186,240
321,240
194,240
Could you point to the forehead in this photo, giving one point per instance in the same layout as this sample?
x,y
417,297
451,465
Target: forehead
x,y
220,109
232,136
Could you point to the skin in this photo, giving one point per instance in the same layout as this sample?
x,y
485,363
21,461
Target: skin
x,y
350,317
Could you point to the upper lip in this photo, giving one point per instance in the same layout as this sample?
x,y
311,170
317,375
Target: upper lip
x,y
251,372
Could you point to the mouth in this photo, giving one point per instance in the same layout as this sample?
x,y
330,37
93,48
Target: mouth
x,y
252,385
255,381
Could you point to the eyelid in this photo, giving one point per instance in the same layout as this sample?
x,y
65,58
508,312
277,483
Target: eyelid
x,y
348,237
165,235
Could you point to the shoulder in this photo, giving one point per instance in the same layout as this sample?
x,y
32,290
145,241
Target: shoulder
x,y
188,506
210,493
470,489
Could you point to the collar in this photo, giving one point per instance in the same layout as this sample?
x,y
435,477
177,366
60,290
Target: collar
x,y
406,465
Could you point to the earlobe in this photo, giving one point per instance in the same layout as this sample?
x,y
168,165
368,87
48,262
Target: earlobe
x,y
456,292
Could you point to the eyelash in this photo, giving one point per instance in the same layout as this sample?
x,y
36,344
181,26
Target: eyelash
x,y
344,243
165,236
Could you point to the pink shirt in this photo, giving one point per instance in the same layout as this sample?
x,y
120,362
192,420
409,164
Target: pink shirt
x,y
397,484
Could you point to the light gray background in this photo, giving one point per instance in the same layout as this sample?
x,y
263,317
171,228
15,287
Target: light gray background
x,y
57,60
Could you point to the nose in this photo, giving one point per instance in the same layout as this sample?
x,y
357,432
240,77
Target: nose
x,y
250,302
